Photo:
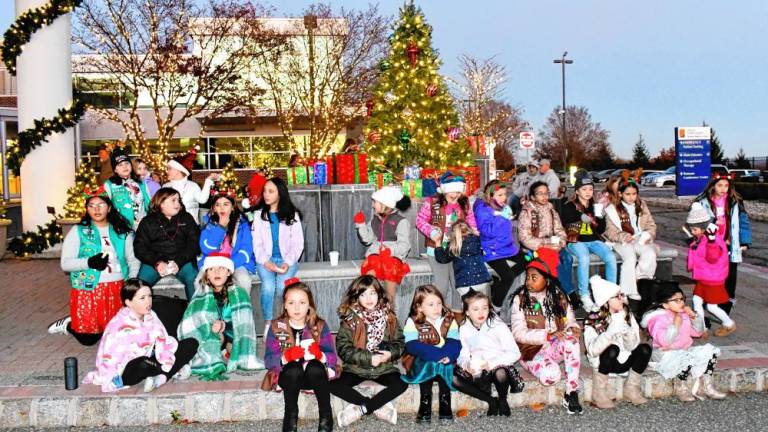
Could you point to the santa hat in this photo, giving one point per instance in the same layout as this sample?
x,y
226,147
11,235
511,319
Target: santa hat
x,y
173,163
119,155
602,290
451,183
218,259
388,195
184,163
256,187
545,260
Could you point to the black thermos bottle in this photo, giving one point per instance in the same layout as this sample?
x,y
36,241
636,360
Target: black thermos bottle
x,y
70,373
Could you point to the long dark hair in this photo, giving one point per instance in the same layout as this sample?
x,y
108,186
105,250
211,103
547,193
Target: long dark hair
x,y
114,218
234,218
638,203
732,198
553,302
357,288
286,211
665,292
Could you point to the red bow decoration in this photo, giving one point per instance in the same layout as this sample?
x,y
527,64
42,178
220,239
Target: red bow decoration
x,y
94,193
290,281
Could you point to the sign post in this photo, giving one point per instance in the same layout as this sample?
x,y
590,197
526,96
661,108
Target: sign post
x,y
527,143
693,160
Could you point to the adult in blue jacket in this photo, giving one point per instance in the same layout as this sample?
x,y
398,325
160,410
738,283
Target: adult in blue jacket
x,y
225,229
501,249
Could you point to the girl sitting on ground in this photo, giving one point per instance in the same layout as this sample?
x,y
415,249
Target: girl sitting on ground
x,y
136,347
612,341
369,343
488,354
300,355
220,318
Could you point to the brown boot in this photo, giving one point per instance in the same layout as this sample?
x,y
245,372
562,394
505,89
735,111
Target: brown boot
x,y
633,391
682,391
724,331
601,394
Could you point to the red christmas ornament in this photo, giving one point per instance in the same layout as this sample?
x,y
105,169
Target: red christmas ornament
x,y
374,136
431,90
369,106
413,53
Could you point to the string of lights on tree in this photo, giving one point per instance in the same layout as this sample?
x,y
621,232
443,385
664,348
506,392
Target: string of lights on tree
x,y
14,39
84,177
412,117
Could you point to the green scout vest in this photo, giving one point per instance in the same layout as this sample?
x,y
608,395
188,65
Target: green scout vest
x,y
90,245
121,198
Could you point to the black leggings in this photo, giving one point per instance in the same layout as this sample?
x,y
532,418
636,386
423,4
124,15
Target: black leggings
x,y
140,368
507,275
344,388
730,286
295,377
637,361
87,339
500,378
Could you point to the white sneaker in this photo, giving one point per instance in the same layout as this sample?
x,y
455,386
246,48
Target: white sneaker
x,y
350,414
60,326
184,373
149,384
588,305
388,413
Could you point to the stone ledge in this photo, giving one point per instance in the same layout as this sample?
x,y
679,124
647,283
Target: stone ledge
x,y
240,399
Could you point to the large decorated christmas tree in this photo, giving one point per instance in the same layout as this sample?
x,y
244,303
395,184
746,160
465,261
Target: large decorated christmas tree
x,y
412,115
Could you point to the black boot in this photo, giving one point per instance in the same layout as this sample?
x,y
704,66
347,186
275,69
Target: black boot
x,y
504,406
493,407
291,421
326,422
444,401
571,403
425,406
516,383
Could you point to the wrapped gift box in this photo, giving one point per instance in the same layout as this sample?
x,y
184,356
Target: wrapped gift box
x,y
477,143
412,188
351,168
300,175
471,177
380,179
412,172
321,173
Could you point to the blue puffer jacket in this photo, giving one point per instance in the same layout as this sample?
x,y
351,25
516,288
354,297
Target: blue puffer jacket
x,y
212,235
469,268
495,232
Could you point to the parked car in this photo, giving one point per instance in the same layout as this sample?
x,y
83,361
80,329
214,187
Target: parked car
x,y
747,175
602,175
664,178
647,173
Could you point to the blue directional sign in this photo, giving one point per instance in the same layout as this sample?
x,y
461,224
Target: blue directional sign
x,y
693,159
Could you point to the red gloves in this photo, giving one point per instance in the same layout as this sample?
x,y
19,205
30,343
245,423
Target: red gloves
x,y
359,218
315,350
294,353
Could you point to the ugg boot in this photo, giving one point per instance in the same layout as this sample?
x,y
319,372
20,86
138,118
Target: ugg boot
x,y
633,392
290,421
601,391
682,391
709,387
425,408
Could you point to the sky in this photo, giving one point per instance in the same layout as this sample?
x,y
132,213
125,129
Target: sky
x,y
639,67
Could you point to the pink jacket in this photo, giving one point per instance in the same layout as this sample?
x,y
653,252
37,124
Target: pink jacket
x,y
666,336
709,260
520,329
424,217
290,237
126,338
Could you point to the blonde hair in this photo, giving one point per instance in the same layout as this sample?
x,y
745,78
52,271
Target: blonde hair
x,y
458,230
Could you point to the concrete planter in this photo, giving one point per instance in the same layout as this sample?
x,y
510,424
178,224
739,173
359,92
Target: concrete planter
x,y
4,223
66,225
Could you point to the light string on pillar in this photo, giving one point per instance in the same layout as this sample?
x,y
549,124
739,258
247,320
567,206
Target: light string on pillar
x,y
14,39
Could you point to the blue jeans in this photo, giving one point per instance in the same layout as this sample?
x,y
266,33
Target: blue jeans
x,y
581,251
186,275
565,272
272,285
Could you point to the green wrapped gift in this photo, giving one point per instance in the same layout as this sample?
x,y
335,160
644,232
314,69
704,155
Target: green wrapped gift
x,y
300,175
379,179
412,188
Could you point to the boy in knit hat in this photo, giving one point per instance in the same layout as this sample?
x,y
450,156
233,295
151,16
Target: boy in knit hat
x,y
708,263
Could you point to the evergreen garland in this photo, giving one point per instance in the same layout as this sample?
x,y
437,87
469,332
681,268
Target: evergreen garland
x,y
14,40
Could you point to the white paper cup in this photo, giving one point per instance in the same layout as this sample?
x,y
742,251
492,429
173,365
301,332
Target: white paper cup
x,y
334,256
598,209
555,240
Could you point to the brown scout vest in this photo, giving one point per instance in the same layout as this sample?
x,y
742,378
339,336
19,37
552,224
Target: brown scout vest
x,y
626,224
536,321
438,219
428,335
286,340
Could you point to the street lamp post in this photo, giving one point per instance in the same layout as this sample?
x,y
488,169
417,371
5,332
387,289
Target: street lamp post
x,y
562,62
